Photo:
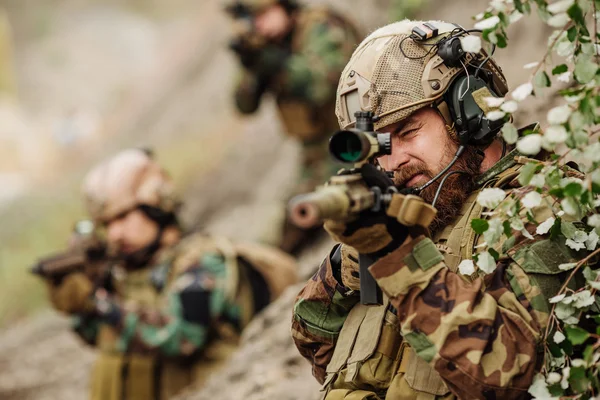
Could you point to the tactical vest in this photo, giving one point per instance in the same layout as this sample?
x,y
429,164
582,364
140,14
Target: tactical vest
x,y
304,121
118,376
371,360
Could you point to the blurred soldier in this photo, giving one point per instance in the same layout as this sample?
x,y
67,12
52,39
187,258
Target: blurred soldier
x,y
296,53
437,334
174,306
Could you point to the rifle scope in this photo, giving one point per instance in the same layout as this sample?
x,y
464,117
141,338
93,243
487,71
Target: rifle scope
x,y
361,143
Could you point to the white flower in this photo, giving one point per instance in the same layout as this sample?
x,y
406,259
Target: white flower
x,y
592,241
594,285
486,262
471,43
594,220
514,17
578,362
531,65
509,107
538,181
532,199
493,102
558,338
580,236
556,134
558,20
560,213
491,197
522,92
564,77
559,115
494,231
545,226
567,266
560,6
575,245
495,115
554,377
517,224
498,5
487,23
569,206
557,298
583,299
466,267
564,383
530,144
525,233
539,390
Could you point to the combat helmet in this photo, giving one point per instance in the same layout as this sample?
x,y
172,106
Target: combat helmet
x,y
129,180
253,7
408,65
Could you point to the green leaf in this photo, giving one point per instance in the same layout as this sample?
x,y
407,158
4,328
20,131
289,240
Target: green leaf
x,y
576,14
573,189
541,80
507,228
576,335
572,34
585,69
568,229
578,380
559,69
586,198
556,390
519,6
588,353
595,188
531,218
479,225
494,254
556,228
527,173
557,192
501,41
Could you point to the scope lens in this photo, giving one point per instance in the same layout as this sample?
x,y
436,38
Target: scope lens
x,y
345,146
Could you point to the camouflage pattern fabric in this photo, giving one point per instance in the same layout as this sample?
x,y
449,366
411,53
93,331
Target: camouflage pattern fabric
x,y
319,48
481,335
179,324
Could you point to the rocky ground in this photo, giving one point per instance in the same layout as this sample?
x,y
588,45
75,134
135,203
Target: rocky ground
x,y
41,359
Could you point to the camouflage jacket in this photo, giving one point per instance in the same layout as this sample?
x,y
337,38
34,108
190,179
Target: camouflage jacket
x,y
305,67
171,309
481,336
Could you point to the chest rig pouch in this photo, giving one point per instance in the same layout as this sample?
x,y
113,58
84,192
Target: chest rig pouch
x,y
371,361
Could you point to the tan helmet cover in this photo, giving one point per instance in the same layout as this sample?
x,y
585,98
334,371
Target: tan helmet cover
x,y
125,181
394,81
254,6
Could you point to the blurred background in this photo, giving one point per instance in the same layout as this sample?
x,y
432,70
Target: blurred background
x,y
80,79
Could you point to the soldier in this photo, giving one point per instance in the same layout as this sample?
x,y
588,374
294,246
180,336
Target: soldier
x,y
297,54
437,334
174,306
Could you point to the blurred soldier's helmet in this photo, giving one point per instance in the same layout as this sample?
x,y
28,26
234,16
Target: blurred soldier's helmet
x,y
129,180
393,75
256,6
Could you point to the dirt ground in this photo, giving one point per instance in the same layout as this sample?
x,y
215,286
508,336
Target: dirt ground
x,y
41,359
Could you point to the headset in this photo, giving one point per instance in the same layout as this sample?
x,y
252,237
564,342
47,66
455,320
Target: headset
x,y
472,126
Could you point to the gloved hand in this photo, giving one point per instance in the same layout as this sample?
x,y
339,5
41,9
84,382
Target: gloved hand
x,y
73,295
372,233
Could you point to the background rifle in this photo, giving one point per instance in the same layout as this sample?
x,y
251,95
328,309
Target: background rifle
x,y
86,253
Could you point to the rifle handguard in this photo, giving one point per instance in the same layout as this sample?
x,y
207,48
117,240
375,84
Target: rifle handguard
x,y
411,210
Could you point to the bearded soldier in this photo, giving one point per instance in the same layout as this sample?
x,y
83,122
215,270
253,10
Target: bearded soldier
x,y
296,53
438,334
174,306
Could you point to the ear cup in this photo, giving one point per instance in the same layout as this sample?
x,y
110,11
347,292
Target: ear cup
x,y
472,127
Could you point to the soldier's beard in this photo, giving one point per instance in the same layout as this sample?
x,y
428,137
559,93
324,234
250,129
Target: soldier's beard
x,y
457,187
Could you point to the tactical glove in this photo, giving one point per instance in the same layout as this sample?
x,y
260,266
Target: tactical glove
x,y
73,295
372,233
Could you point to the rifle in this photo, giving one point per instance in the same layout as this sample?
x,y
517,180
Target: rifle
x,y
86,253
346,195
